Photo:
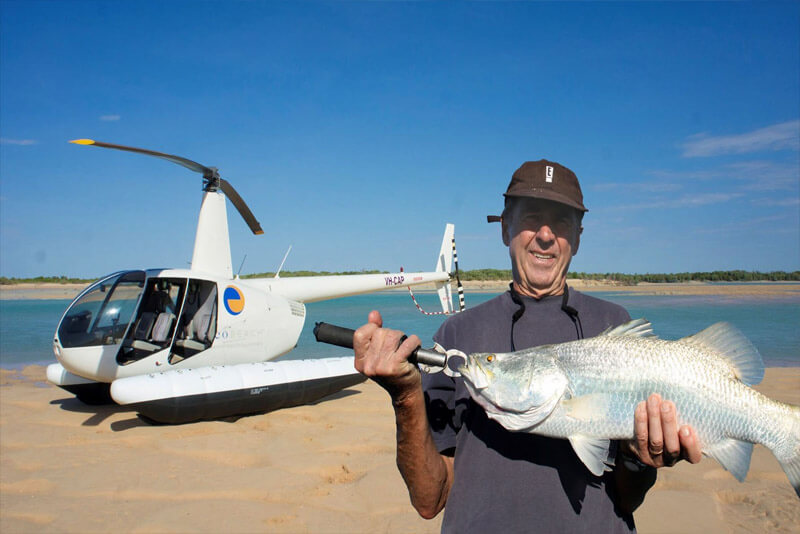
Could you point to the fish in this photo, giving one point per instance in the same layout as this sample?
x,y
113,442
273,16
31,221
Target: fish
x,y
586,391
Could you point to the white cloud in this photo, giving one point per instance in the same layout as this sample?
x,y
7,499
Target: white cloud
x,y
643,187
686,201
110,118
782,136
777,202
750,175
20,142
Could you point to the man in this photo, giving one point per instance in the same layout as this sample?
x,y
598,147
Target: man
x,y
450,453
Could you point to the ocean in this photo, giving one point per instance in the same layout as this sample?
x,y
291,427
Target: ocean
x,y
771,323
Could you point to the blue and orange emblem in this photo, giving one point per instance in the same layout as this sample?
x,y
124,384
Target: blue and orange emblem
x,y
233,300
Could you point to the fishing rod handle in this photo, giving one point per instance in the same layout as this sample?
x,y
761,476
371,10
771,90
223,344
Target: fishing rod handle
x,y
343,337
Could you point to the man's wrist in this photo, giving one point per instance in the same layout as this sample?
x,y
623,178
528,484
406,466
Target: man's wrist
x,y
629,461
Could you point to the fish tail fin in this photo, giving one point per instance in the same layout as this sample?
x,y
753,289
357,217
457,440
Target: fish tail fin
x,y
790,462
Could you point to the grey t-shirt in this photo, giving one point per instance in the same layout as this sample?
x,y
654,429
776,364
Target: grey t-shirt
x,y
514,481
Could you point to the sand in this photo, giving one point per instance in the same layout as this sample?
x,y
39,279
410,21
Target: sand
x,y
68,467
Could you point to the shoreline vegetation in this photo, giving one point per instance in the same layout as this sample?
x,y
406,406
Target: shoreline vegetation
x,y
776,284
503,275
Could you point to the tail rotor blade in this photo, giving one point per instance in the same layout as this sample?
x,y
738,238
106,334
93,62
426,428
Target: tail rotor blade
x,y
240,205
189,164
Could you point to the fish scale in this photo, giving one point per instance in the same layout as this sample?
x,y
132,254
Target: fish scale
x,y
587,391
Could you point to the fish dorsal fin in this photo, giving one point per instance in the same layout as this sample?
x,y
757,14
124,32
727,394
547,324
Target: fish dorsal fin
x,y
728,342
636,328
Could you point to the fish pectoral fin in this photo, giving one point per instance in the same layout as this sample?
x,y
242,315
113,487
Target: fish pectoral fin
x,y
593,452
733,455
591,406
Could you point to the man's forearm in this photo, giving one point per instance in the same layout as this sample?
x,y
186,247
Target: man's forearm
x,y
427,474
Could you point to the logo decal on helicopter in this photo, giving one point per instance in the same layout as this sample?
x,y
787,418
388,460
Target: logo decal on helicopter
x,y
233,300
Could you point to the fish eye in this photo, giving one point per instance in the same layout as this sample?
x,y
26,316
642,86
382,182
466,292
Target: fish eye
x,y
490,358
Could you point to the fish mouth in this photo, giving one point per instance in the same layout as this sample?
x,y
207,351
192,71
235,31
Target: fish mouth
x,y
475,374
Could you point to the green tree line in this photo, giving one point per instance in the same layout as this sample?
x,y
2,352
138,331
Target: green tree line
x,y
505,274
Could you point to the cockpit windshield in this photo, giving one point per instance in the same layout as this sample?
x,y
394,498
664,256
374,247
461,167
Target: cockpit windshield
x,y
101,314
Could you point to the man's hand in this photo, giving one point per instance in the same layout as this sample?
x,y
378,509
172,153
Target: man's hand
x,y
659,442
382,354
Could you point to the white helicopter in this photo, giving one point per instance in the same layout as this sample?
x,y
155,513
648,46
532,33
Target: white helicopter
x,y
180,345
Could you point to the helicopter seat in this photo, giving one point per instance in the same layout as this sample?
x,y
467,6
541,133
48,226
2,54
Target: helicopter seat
x,y
163,326
160,332
196,333
145,325
200,328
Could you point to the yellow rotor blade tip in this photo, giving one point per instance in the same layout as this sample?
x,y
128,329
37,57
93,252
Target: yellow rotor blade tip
x,y
83,141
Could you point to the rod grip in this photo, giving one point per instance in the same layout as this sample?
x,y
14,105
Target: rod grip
x,y
343,337
334,335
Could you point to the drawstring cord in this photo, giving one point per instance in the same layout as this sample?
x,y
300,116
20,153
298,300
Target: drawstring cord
x,y
565,307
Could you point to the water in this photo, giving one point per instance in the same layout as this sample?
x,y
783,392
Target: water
x,y
772,324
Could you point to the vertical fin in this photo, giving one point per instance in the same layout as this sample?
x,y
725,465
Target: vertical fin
x,y
733,455
791,462
635,328
792,469
593,452
727,341
444,264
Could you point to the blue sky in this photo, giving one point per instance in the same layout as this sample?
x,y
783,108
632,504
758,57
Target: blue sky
x,y
356,130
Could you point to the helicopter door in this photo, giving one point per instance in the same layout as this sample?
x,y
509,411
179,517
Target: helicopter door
x,y
197,325
154,326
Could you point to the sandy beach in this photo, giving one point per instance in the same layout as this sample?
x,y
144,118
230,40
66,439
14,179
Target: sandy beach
x,y
329,467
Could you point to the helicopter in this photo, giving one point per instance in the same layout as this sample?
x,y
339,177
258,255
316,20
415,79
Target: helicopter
x,y
180,345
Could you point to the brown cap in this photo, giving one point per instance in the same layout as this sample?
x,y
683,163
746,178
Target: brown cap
x,y
547,180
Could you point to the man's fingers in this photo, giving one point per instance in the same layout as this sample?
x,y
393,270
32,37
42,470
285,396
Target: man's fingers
x,y
375,318
669,427
654,430
690,445
408,345
640,431
362,338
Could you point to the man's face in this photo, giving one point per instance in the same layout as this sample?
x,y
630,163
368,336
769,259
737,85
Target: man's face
x,y
542,236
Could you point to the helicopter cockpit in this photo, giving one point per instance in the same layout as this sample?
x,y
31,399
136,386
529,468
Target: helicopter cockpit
x,y
143,315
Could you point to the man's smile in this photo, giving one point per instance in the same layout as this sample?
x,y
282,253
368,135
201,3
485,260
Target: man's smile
x,y
541,256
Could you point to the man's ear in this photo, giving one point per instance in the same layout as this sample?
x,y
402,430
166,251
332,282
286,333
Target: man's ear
x,y
577,241
506,237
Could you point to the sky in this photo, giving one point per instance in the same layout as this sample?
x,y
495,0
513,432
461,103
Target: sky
x,y
356,130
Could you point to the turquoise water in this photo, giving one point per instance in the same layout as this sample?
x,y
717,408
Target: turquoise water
x,y
772,324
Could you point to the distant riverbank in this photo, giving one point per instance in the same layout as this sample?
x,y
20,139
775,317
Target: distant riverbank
x,y
36,291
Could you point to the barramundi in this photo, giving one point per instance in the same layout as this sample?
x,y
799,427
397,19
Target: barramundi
x,y
586,391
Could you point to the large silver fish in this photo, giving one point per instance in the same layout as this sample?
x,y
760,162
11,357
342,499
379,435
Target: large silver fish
x,y
586,391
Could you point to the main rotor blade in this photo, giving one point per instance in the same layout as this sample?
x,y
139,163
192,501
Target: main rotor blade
x,y
240,205
189,164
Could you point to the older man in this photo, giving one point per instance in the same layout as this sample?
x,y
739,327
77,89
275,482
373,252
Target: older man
x,y
452,456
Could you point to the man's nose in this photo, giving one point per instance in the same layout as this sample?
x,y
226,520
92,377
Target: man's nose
x,y
545,233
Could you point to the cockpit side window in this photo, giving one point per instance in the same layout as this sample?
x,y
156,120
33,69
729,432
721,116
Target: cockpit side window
x,y
197,325
101,314
154,327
